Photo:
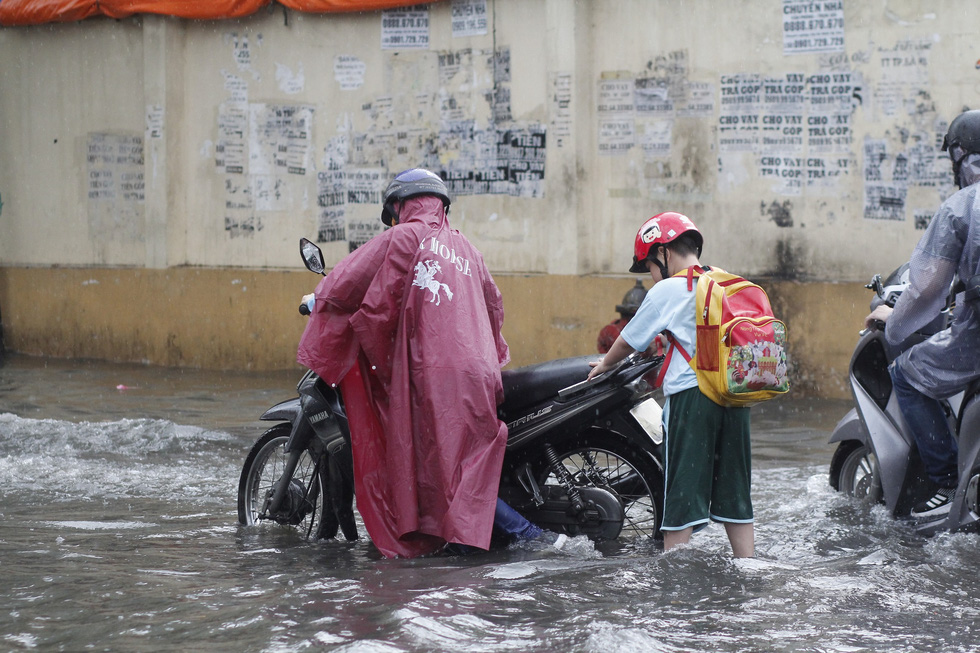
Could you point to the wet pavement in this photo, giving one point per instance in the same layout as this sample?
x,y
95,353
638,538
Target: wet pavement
x,y
118,531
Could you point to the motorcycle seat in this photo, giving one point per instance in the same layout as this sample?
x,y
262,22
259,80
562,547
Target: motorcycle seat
x,y
533,384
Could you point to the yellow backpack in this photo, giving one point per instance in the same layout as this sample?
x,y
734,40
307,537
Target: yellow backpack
x,y
740,352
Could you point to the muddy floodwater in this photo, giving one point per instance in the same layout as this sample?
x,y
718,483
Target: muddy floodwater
x,y
118,532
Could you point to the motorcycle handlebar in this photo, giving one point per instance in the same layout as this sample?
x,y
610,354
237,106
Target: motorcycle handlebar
x,y
307,306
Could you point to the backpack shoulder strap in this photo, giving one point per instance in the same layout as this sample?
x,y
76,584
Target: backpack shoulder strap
x,y
670,350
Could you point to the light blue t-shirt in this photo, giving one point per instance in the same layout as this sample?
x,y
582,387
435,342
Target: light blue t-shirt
x,y
668,306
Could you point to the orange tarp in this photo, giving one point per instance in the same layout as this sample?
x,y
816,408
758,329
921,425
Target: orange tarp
x,y
324,6
38,12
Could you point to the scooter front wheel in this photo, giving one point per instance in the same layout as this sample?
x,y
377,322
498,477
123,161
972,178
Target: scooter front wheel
x,y
303,507
854,471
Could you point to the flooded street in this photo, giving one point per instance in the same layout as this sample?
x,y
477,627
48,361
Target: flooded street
x,y
118,531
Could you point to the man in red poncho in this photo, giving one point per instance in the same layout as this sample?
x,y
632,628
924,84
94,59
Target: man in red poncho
x,y
409,326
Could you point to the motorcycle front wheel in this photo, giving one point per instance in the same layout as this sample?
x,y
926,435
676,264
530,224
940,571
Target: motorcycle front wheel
x,y
303,508
854,471
610,462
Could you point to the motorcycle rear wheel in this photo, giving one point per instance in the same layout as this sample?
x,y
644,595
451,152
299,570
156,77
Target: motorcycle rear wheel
x,y
854,471
608,461
263,467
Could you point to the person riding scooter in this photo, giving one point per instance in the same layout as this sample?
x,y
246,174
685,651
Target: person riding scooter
x,y
944,364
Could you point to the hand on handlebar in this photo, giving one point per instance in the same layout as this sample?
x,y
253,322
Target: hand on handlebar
x,y
598,367
617,352
306,307
878,317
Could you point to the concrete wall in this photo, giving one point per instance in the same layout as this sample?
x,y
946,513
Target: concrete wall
x,y
181,160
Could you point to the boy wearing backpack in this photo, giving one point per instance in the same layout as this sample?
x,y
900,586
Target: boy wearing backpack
x,y
708,460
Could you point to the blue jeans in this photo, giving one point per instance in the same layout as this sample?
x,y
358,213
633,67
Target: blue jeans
x,y
927,420
513,523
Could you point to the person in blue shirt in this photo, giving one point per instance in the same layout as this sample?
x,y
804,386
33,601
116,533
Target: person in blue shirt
x,y
708,459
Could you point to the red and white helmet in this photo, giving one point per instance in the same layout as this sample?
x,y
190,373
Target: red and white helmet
x,y
660,230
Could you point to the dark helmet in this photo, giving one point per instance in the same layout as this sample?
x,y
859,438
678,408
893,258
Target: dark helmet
x,y
962,138
632,300
410,183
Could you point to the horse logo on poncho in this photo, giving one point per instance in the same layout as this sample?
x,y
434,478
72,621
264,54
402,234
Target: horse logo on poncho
x,y
425,278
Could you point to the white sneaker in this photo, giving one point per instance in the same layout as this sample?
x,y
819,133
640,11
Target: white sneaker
x,y
560,542
936,506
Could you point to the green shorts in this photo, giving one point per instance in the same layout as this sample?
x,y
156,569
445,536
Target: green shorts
x,y
708,463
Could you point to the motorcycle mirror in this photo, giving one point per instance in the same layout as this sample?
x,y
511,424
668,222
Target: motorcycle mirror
x,y
312,256
875,284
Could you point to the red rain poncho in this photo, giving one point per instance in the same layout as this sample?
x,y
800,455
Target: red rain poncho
x,y
409,325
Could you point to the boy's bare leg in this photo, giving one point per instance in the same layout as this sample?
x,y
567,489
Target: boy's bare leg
x,y
676,538
742,538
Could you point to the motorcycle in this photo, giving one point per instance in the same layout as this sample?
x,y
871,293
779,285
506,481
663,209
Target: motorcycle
x,y
583,457
876,458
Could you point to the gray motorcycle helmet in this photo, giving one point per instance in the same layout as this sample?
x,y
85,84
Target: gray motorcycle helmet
x,y
962,138
411,183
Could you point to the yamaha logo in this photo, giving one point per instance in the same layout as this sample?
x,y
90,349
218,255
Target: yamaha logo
x,y
319,417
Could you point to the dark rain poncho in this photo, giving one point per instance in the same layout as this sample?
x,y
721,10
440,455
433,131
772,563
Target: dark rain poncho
x,y
942,365
409,324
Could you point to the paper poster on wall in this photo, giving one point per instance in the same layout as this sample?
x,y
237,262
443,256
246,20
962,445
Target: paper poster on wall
x,y
655,137
784,93
115,168
236,86
114,186
904,71
884,201
698,101
616,110
616,97
885,182
243,51
349,71
331,224
240,219
813,26
825,172
786,172
782,133
929,165
834,92
290,82
922,218
468,17
460,98
280,139
331,188
739,118
154,121
269,192
231,147
830,133
359,231
405,29
560,126
521,154
505,161
741,93
365,185
616,136
652,97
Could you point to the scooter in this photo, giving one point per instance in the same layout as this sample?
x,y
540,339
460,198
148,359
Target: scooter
x,y
583,457
876,458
